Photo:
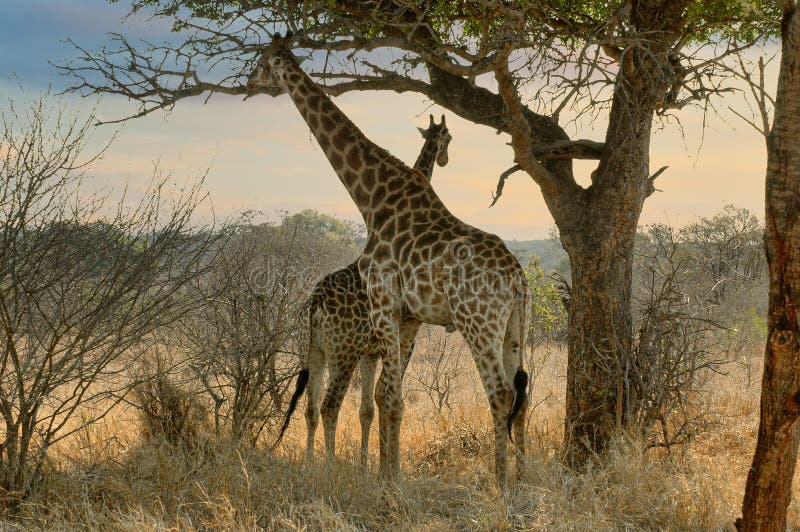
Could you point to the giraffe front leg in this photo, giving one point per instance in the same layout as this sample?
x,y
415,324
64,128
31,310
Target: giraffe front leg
x,y
390,408
366,411
389,396
380,400
390,400
386,315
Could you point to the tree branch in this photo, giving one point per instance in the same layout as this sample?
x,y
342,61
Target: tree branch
x,y
569,149
521,134
502,183
652,179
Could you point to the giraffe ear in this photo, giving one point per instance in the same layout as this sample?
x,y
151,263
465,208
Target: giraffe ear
x,y
422,132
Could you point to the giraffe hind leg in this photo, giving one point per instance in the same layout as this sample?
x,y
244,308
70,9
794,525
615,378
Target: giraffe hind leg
x,y
513,358
316,367
340,371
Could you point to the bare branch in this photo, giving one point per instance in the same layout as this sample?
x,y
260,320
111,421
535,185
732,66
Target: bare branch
x,y
569,149
577,149
502,183
652,179
521,133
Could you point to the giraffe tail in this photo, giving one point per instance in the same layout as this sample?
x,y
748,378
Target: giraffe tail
x,y
521,376
300,387
520,394
302,376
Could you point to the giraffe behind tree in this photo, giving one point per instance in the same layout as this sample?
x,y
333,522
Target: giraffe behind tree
x,y
421,264
340,334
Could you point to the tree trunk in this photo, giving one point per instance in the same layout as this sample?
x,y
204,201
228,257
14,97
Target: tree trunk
x,y
769,481
598,228
599,345
598,224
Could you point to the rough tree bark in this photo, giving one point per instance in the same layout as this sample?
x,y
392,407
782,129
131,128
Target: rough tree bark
x,y
597,227
769,481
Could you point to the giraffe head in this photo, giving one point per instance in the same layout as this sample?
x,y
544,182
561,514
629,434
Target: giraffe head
x,y
273,64
440,136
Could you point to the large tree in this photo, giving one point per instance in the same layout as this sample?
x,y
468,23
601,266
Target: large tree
x,y
769,480
521,68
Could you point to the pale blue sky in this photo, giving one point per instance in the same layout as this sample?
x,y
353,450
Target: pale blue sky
x,y
261,155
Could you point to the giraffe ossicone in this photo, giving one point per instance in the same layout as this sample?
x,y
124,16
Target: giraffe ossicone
x,y
409,274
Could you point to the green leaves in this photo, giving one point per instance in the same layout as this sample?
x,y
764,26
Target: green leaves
x,y
474,22
548,315
743,20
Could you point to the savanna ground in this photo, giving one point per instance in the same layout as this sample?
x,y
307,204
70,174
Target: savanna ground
x,y
107,477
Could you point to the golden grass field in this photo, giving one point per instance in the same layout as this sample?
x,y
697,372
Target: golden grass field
x,y
105,478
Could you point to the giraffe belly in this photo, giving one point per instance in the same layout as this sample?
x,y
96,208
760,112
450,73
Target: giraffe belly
x,y
430,307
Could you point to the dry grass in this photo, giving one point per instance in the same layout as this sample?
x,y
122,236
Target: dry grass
x,y
107,479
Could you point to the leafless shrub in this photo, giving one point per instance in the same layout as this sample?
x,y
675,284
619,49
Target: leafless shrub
x,y
242,341
168,405
731,277
440,370
169,413
82,281
677,348
452,447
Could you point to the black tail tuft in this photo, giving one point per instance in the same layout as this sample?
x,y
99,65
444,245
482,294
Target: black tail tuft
x,y
520,394
302,381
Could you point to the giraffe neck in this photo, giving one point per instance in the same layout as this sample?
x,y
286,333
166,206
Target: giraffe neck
x,y
427,157
360,164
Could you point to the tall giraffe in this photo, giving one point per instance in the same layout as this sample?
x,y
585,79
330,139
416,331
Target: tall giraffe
x,y
341,335
421,264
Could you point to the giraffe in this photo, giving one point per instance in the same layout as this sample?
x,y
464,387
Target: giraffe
x,y
341,334
422,264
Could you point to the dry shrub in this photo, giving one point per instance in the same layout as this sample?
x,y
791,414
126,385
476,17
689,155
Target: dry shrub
x,y
84,280
169,413
628,489
245,342
451,448
161,487
439,367
677,348
158,488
